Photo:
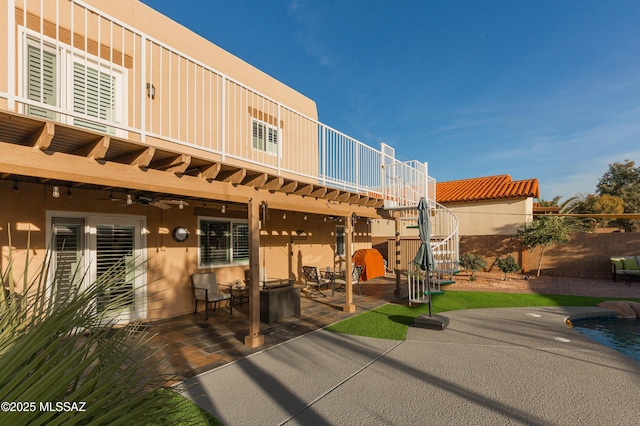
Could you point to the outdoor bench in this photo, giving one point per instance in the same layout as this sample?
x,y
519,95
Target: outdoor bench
x,y
628,266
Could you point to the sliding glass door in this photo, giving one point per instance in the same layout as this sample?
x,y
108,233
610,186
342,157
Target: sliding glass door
x,y
112,250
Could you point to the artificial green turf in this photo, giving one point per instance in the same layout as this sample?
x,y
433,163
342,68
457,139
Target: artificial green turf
x,y
186,413
391,321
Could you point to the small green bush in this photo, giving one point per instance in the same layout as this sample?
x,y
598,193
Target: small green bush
x,y
507,264
472,262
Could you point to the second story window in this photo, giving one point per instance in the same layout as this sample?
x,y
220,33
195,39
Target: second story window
x,y
264,137
56,75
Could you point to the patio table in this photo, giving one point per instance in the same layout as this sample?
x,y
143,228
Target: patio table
x,y
331,276
239,294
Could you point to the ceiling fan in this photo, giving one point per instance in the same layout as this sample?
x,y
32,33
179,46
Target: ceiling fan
x,y
161,203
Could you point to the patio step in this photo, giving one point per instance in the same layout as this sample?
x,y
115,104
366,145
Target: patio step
x,y
442,282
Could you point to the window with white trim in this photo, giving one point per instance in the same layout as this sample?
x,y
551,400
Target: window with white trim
x,y
93,88
222,242
264,137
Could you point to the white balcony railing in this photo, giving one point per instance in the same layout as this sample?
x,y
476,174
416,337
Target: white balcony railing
x,y
68,61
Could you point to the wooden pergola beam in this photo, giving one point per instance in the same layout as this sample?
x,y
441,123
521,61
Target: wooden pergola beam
x,y
303,190
141,158
96,150
332,194
42,138
233,177
273,183
319,192
289,187
343,197
177,165
255,181
209,172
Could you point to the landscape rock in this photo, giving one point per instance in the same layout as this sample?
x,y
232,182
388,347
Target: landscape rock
x,y
636,307
623,308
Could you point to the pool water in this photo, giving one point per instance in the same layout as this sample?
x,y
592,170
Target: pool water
x,y
622,335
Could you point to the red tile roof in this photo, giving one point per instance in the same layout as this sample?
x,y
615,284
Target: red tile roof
x,y
486,188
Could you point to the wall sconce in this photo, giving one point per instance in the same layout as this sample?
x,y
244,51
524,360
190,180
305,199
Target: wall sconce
x,y
284,215
56,192
129,199
151,91
305,216
181,205
223,210
325,218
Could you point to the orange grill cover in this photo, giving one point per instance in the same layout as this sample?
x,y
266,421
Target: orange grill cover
x,y
372,261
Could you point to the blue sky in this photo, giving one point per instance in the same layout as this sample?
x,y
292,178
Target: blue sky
x,y
535,89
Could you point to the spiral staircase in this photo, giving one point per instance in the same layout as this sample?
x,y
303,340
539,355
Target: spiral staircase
x,y
445,247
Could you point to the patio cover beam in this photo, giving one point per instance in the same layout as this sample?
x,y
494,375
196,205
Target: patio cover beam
x,y
25,161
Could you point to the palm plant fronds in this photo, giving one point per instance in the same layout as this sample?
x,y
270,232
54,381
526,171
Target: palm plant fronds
x,y
58,345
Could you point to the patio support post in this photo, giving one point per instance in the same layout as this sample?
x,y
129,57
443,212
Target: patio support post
x,y
348,301
254,339
396,218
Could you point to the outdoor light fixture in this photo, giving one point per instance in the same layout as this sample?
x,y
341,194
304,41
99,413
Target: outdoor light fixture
x,y
151,91
305,216
223,210
129,199
284,215
56,192
181,205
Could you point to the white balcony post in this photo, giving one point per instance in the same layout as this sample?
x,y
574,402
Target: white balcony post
x,y
426,182
324,154
223,119
357,179
143,87
279,141
11,54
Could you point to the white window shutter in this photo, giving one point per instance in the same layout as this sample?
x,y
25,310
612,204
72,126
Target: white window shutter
x,y
41,81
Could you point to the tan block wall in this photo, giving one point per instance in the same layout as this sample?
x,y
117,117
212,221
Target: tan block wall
x,y
586,255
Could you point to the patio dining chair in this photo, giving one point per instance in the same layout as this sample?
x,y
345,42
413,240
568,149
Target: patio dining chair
x,y
356,272
205,288
313,280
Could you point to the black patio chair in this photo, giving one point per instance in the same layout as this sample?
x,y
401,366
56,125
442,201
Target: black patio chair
x,y
313,280
356,272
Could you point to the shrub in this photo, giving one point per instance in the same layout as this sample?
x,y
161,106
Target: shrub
x,y
507,265
473,263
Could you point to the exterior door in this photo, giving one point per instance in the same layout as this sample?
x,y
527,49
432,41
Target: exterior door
x,y
112,250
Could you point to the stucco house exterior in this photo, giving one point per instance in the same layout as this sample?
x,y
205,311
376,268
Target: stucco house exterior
x,y
490,205
124,135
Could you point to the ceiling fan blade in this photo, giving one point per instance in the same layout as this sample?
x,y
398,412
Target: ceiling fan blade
x,y
175,202
160,204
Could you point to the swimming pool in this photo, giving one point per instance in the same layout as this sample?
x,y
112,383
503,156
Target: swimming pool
x,y
622,335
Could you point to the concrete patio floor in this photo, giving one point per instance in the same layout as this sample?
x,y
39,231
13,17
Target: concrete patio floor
x,y
193,345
